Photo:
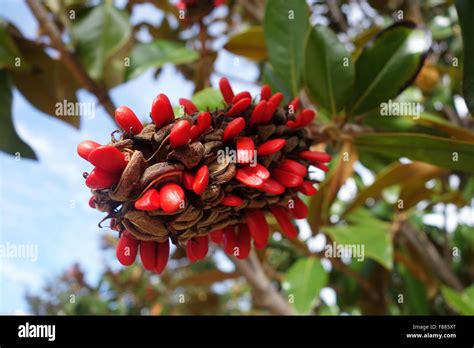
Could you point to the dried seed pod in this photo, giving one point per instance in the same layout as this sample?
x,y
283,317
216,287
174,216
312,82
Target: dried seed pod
x,y
207,174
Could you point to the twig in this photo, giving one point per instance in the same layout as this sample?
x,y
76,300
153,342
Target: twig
x,y
68,57
265,292
430,255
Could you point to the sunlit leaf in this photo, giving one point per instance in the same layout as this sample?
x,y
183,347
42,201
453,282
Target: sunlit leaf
x,y
249,43
302,283
208,98
461,302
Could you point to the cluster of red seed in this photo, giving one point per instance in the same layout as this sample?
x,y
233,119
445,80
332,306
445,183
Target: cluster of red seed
x,y
288,176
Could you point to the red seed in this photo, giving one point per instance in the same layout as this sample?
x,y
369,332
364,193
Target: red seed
x,y
161,111
204,121
293,167
283,219
234,128
147,254
127,248
294,105
201,180
230,240
245,150
162,254
188,180
239,108
299,210
226,90
199,246
292,124
108,158
232,201
270,147
100,179
243,242
189,252
127,120
276,99
194,133
258,113
240,96
217,236
265,92
273,187
269,112
306,117
286,178
149,201
180,134
259,245
253,176
171,197
315,156
322,166
307,188
188,105
92,202
258,226
86,147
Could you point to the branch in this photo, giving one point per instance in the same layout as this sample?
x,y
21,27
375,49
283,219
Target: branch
x,y
266,294
68,57
430,255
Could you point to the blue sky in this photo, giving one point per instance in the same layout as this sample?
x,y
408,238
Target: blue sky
x,y
44,203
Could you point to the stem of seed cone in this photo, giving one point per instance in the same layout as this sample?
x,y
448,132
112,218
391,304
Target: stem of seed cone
x,y
201,180
162,254
283,219
108,158
161,111
127,120
188,105
84,148
226,90
180,134
265,92
147,254
127,249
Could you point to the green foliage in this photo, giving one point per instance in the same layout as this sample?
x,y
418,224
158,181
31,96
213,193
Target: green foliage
x,y
463,302
302,283
208,98
328,69
248,43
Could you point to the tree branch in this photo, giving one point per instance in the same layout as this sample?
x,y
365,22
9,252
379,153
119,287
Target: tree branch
x,y
267,295
68,57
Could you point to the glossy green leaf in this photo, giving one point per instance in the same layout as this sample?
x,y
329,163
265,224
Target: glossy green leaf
x,y
303,282
208,99
443,152
249,43
158,53
46,83
276,84
367,233
416,294
100,34
328,71
388,65
461,302
285,26
10,142
465,10
8,50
